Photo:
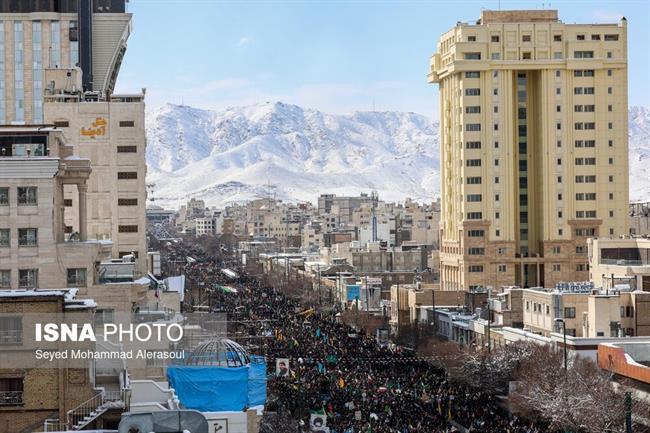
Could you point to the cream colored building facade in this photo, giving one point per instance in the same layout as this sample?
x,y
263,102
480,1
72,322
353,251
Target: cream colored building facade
x,y
111,134
619,261
533,146
46,79
588,314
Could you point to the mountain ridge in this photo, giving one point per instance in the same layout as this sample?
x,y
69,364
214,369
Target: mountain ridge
x,y
233,155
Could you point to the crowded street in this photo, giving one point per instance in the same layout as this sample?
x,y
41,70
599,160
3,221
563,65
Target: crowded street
x,y
335,371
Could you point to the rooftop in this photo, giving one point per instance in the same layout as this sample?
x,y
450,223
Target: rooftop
x,y
517,16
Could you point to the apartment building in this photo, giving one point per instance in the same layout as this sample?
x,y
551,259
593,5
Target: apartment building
x,y
587,313
62,60
533,146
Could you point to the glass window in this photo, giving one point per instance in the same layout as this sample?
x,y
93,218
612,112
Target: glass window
x,y
11,333
19,73
5,238
27,237
27,196
569,313
28,278
55,45
77,277
5,279
4,196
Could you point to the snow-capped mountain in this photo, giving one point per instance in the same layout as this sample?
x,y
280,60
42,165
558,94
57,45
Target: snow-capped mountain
x,y
295,153
243,152
639,151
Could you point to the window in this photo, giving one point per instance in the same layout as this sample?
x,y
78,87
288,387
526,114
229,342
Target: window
x,y
526,55
474,180
472,74
5,279
611,37
496,179
61,123
11,391
4,196
610,108
595,37
473,145
581,267
127,201
102,317
496,197
556,267
472,91
476,233
557,55
610,54
473,163
495,38
496,56
496,144
127,149
28,278
569,313
476,268
5,238
77,277
127,229
27,196
495,91
474,109
127,123
28,237
474,197
501,250
583,54
497,215
559,214
472,56
609,72
580,37
527,305
127,174
581,249
557,38
559,196
471,39
557,73
610,143
525,38
474,215
475,251
502,268
472,127
558,91
495,109
556,250
611,196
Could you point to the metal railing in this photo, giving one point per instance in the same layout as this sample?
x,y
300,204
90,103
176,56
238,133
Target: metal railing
x,y
9,398
11,338
623,262
85,411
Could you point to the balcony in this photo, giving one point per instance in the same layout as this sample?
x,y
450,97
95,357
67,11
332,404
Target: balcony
x,y
11,398
623,262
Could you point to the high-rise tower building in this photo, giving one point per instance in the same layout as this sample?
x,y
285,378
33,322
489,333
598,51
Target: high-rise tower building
x,y
534,153
59,61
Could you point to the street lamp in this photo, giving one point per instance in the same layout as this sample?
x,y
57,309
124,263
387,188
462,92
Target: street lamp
x,y
564,334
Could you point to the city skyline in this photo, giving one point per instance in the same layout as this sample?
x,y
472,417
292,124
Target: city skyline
x,y
339,57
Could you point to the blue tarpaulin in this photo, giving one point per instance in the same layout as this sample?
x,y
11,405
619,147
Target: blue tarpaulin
x,y
214,389
353,292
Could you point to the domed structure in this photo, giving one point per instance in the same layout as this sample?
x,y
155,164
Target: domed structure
x,y
218,352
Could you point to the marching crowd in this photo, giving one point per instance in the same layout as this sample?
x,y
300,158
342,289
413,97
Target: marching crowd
x,y
354,384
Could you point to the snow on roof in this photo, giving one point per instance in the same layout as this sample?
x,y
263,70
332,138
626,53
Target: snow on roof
x,y
69,296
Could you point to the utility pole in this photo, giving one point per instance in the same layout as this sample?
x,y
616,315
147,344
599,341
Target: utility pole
x,y
628,412
320,298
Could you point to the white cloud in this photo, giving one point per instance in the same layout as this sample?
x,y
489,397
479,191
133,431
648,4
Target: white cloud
x,y
243,41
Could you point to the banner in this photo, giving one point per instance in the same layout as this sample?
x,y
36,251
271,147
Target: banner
x,y
282,367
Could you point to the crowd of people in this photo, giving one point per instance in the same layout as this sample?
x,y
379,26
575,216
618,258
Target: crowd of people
x,y
342,377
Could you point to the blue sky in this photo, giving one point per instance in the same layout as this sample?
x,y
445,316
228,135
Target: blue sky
x,y
337,56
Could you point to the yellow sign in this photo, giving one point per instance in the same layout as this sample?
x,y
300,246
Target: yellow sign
x,y
98,128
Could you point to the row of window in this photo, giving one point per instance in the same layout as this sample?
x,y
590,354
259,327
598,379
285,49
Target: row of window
x,y
528,55
28,278
122,123
27,237
556,38
27,196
